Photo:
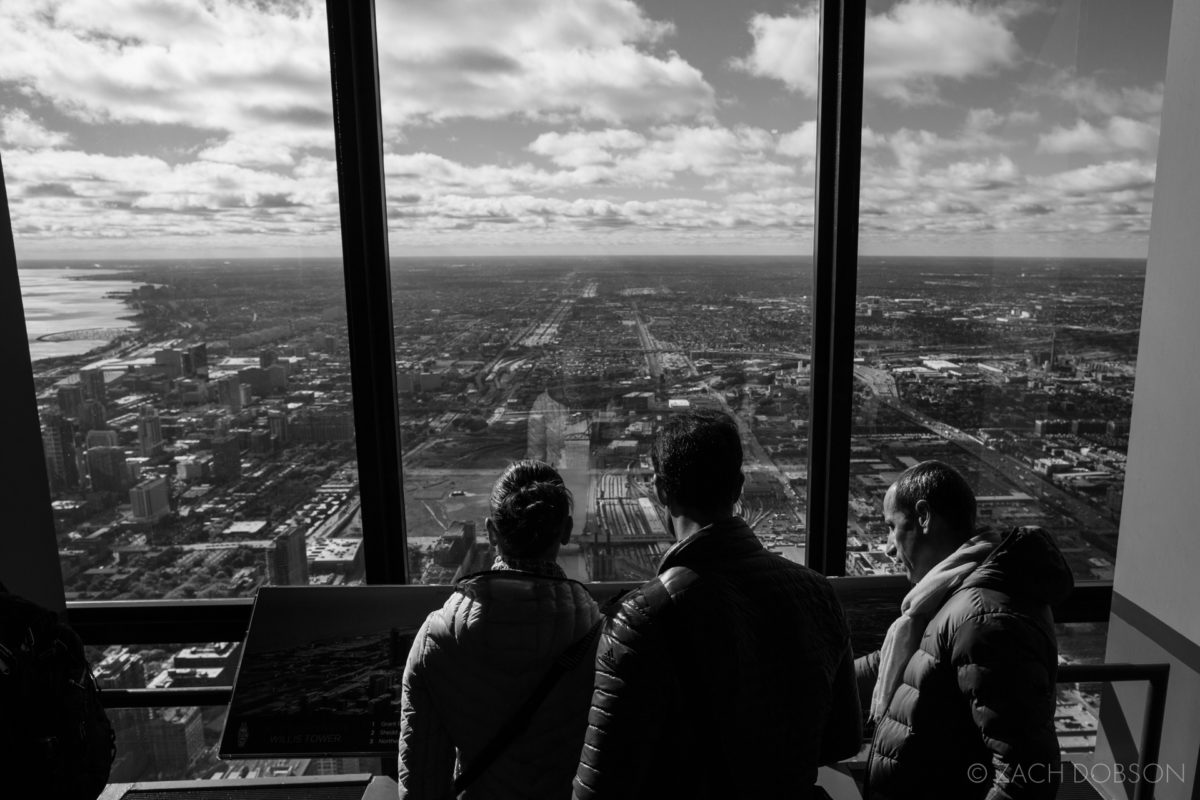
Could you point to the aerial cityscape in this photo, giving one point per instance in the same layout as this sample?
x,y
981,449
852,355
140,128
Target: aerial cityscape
x,y
209,450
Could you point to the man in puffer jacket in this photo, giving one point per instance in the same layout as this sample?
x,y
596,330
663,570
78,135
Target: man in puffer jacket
x,y
479,657
963,690
729,675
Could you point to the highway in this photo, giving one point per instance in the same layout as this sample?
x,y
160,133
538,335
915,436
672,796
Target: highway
x,y
1015,470
649,346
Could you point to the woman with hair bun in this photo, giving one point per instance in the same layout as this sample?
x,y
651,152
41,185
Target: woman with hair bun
x,y
477,660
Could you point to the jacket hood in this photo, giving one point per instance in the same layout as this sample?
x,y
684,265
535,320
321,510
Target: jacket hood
x,y
1027,564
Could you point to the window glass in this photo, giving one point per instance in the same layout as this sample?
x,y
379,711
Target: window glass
x,y
1079,703
182,742
1008,166
172,184
599,212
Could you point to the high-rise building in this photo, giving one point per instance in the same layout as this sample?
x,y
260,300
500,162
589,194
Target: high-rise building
x,y
121,669
229,393
92,416
195,360
323,424
176,739
221,425
266,358
150,436
58,441
278,422
192,391
205,665
92,381
207,656
256,377
107,468
227,458
260,443
150,499
277,377
288,561
100,439
170,361
70,400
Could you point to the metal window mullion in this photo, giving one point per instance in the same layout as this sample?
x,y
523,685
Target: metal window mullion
x,y
28,545
362,199
835,255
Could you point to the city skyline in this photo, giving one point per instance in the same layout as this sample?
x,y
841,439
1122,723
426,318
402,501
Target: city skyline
x,y
600,126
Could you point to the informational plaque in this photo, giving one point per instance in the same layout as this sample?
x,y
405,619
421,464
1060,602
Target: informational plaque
x,y
321,670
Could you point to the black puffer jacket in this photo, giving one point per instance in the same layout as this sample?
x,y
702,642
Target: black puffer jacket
x,y
974,715
731,679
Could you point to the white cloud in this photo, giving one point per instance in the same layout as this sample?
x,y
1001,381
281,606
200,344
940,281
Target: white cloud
x,y
735,182
913,148
909,49
985,175
66,196
1119,134
1108,177
1090,97
872,139
802,142
529,213
785,48
581,148
725,156
223,65
920,42
18,129
538,59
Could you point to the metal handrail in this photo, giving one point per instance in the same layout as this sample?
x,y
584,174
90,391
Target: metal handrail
x,y
167,698
1157,676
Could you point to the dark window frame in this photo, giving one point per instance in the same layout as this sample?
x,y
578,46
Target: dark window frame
x,y
835,270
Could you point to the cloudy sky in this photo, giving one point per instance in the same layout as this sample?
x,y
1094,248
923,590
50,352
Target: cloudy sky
x,y
149,128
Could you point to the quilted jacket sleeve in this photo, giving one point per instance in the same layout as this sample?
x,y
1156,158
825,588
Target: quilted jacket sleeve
x,y
843,732
1003,672
866,672
426,759
632,698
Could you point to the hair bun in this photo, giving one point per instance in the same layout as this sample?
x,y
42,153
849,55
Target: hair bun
x,y
529,504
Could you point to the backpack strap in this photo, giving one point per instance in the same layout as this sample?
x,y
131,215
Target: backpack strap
x,y
519,722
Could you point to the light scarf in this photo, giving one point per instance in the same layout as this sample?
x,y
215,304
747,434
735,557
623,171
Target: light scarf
x,y
917,608
547,569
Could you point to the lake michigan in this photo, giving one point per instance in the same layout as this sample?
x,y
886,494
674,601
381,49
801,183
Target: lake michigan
x,y
56,301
